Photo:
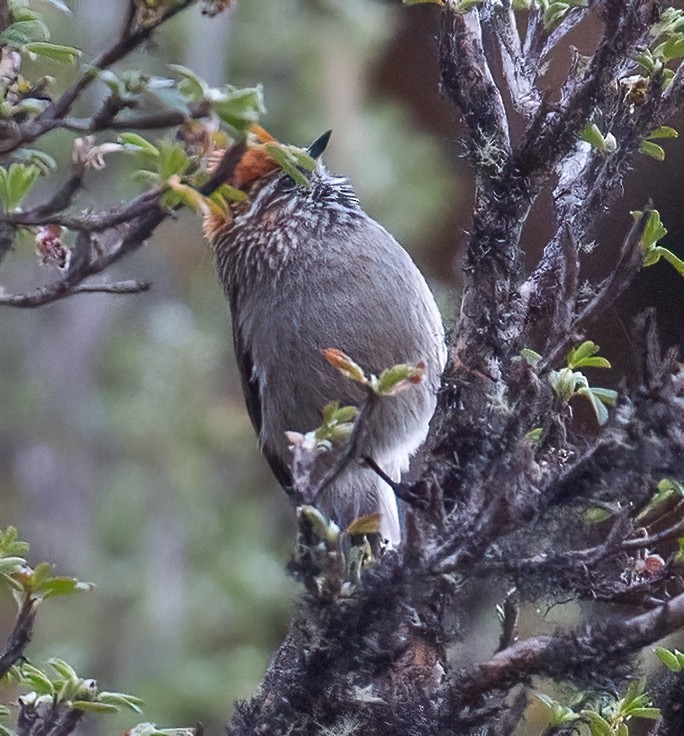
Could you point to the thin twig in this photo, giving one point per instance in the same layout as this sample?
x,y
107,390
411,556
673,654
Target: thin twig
x,y
628,265
131,286
148,121
51,117
351,450
672,532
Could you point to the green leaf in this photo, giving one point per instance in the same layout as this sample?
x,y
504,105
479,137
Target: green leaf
x,y
285,161
534,435
584,355
671,258
397,378
24,31
653,231
599,409
34,157
645,712
146,177
593,362
673,48
63,669
592,135
231,194
93,706
606,395
38,680
553,13
652,149
664,131
598,726
672,660
173,160
60,54
237,107
16,182
530,356
669,486
191,85
596,514
423,2
10,544
137,144
121,699
9,565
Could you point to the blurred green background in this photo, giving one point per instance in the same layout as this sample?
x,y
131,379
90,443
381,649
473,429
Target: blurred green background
x,y
126,455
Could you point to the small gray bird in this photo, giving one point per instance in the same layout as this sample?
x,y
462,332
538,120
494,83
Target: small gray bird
x,y
304,269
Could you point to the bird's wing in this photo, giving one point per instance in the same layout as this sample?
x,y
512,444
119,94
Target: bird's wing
x,y
252,393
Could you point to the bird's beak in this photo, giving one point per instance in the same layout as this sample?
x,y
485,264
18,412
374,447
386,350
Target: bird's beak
x,y
317,148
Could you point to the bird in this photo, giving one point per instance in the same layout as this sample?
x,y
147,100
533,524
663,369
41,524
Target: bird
x,y
305,269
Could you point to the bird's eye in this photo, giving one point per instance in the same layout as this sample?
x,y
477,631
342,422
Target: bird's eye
x,y
287,184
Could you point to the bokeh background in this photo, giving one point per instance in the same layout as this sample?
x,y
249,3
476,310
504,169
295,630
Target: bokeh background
x,y
126,456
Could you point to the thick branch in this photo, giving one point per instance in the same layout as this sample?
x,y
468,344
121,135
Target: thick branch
x,y
536,656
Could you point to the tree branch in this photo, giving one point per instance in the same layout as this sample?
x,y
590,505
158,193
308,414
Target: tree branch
x,y
20,636
51,117
539,655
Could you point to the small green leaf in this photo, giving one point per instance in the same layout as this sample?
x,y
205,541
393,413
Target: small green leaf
x,y
584,355
598,726
42,160
10,544
673,48
237,107
232,194
38,680
9,565
191,85
423,2
397,378
672,660
652,149
664,131
645,712
121,699
530,356
60,54
63,669
606,395
24,31
93,706
173,160
137,144
669,486
671,258
596,514
16,182
534,435
597,403
284,157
